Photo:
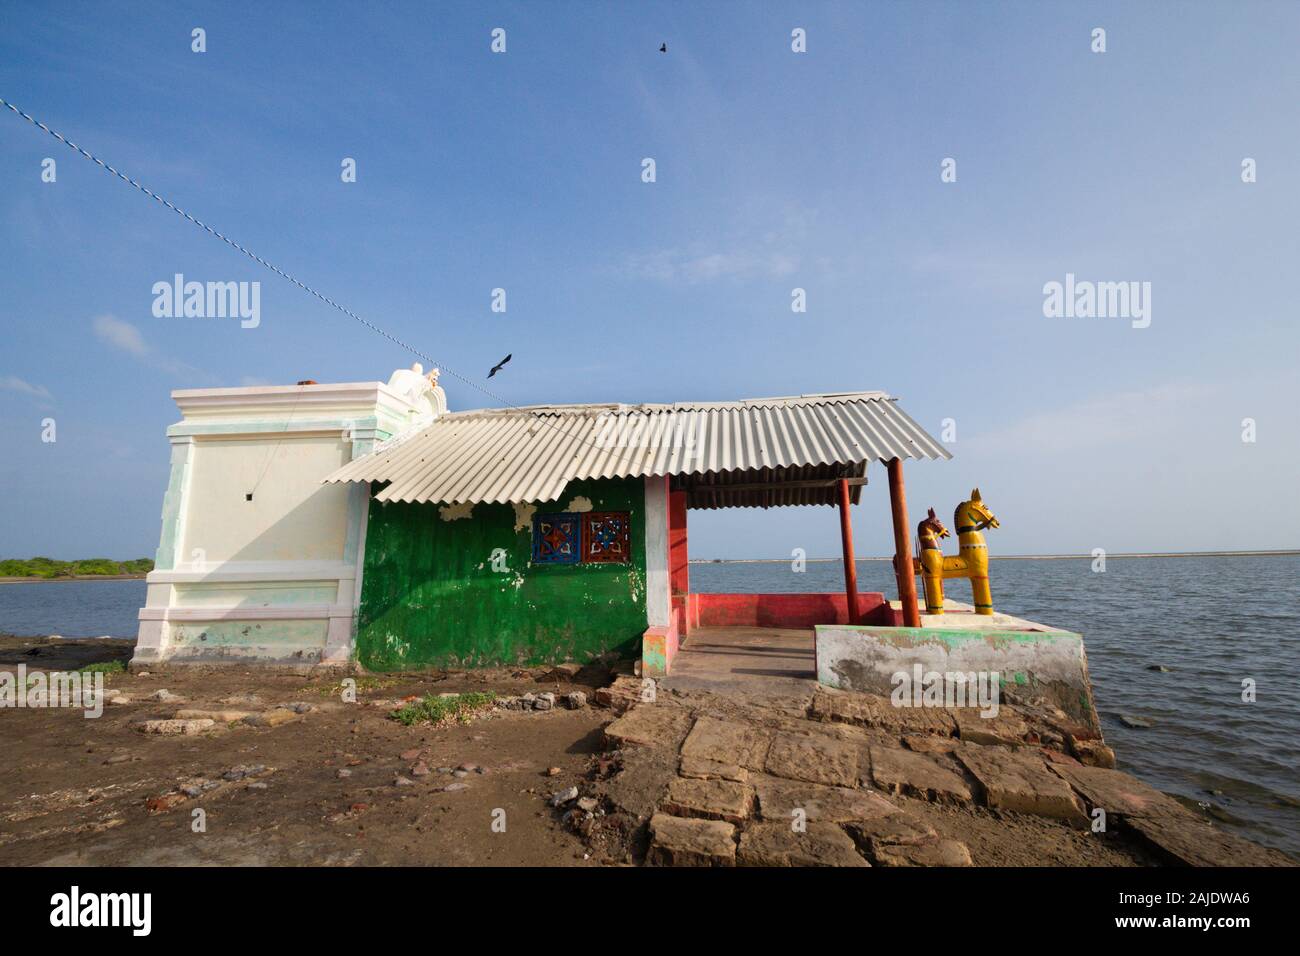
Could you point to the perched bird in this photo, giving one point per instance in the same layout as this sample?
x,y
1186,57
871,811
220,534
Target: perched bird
x,y
499,366
664,48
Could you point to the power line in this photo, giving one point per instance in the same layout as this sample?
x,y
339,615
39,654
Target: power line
x,y
256,258
280,272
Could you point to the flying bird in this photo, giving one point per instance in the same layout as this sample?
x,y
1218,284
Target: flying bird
x,y
664,48
499,366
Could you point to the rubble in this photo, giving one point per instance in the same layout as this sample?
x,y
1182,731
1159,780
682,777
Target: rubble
x,y
175,727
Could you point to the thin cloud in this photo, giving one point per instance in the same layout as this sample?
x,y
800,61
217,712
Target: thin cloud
x,y
762,243
12,383
120,335
125,337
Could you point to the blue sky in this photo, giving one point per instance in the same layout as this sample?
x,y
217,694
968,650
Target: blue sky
x,y
775,170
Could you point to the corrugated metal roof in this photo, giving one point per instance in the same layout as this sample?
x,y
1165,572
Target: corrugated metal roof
x,y
532,453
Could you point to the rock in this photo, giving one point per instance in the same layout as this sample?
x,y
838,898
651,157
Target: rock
x,y
455,787
1090,752
778,799
165,696
916,775
544,701
870,710
1021,782
1055,756
343,773
272,718
712,770
1187,840
118,700
710,799
576,700
174,727
564,796
412,754
937,853
929,744
816,759
778,844
165,802
256,785
219,716
1117,793
553,771
468,767
118,758
728,742
647,726
420,769
623,693
676,841
401,781
460,774
1005,728
527,701
1136,722
901,829
588,804
297,706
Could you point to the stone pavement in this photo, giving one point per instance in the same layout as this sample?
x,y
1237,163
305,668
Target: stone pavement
x,y
832,778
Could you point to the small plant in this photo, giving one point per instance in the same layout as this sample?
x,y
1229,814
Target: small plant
x,y
457,708
104,667
361,684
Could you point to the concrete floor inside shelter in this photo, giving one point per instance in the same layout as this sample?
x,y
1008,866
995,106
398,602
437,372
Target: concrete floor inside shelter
x,y
749,660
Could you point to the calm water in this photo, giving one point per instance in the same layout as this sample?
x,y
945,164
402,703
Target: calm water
x,y
1212,621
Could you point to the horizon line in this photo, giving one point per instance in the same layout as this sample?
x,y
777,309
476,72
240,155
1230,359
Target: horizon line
x,y
1025,557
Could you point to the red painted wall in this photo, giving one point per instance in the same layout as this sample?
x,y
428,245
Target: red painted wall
x,y
784,610
679,579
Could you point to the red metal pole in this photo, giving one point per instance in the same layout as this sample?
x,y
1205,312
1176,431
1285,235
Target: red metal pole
x,y
850,568
902,546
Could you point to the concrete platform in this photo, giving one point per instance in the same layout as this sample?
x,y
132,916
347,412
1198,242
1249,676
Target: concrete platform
x,y
961,616
748,660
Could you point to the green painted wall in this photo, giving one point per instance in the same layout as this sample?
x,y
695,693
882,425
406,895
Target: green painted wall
x,y
430,596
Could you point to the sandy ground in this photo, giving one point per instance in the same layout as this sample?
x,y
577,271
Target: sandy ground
x,y
76,788
341,783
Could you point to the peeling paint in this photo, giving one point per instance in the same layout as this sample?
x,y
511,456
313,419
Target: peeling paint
x,y
455,512
524,516
579,503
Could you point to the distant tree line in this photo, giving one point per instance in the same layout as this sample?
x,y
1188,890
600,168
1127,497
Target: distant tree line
x,y
50,568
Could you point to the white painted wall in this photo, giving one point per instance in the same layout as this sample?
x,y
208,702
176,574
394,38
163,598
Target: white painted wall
x,y
292,517
276,579
658,600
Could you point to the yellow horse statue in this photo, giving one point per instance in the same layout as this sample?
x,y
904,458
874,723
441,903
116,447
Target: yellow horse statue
x,y
971,518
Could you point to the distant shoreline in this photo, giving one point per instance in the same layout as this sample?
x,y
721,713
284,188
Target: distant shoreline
x,y
1028,557
74,577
